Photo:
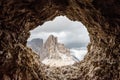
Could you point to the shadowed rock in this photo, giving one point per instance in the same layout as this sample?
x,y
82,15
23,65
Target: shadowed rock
x,y
101,18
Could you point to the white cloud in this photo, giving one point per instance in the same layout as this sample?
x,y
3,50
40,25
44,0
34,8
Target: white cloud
x,y
71,33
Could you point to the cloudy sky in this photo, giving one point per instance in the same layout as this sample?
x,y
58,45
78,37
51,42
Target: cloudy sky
x,y
72,33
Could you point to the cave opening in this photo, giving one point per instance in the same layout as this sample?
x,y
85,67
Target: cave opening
x,y
59,42
101,18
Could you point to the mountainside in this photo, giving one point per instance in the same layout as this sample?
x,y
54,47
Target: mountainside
x,y
51,52
58,55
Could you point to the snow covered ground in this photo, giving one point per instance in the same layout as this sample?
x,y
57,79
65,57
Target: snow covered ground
x,y
57,63
66,60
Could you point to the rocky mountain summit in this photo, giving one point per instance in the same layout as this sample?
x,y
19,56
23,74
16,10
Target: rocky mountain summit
x,y
53,47
58,54
52,52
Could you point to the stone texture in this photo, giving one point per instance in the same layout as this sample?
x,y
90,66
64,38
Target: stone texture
x,y
101,18
53,48
57,54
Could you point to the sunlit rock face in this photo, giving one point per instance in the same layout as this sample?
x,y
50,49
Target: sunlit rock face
x,y
53,48
101,18
58,54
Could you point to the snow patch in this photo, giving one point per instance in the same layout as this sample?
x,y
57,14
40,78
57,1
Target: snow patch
x,y
64,61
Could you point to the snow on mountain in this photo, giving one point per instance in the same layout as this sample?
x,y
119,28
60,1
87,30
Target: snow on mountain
x,y
58,54
55,54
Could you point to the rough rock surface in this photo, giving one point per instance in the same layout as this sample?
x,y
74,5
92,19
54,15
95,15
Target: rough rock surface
x,y
101,18
53,48
58,55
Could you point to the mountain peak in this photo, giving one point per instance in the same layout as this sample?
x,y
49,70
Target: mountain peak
x,y
51,52
52,40
53,47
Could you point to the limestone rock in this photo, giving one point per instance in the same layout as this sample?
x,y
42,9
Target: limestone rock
x,y
58,55
53,48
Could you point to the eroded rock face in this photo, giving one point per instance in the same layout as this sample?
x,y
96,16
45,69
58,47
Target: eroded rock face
x,y
101,18
57,54
53,48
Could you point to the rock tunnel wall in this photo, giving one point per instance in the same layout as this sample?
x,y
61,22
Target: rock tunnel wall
x,y
101,18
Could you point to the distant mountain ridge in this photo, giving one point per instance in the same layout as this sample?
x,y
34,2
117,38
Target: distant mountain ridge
x,y
36,45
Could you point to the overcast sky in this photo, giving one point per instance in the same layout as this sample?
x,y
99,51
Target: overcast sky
x,y
72,33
